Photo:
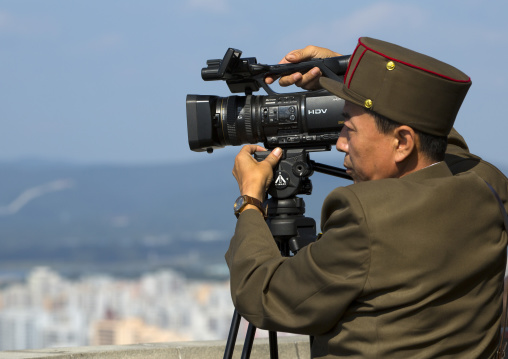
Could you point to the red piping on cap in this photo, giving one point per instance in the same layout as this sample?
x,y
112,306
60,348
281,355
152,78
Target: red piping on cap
x,y
411,65
350,61
356,65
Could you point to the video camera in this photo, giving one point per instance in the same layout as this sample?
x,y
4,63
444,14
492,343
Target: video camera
x,y
304,120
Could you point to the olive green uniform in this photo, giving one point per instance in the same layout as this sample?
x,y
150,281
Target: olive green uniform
x,y
405,268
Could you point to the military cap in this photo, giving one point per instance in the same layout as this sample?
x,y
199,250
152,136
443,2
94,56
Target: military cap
x,y
403,85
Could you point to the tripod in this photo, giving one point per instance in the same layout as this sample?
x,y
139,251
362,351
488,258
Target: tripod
x,y
288,225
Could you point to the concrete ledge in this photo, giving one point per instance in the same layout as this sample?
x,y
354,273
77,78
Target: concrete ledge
x,y
293,347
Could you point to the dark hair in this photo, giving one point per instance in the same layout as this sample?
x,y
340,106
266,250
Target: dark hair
x,y
434,147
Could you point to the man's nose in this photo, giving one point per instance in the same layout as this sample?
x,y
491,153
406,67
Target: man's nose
x,y
342,144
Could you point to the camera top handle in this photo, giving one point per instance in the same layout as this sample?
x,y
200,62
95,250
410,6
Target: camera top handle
x,y
246,75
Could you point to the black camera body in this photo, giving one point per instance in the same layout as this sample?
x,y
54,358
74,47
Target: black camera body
x,y
310,120
306,120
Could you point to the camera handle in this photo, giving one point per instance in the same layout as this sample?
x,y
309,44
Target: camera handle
x,y
246,75
330,67
287,222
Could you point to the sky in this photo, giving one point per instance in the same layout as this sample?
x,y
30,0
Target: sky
x,y
105,81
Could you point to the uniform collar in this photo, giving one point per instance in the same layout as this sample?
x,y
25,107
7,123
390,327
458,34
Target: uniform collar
x,y
439,169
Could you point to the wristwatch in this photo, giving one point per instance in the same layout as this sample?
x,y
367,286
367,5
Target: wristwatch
x,y
244,200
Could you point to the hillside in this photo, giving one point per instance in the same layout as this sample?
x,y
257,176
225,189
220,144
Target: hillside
x,y
122,219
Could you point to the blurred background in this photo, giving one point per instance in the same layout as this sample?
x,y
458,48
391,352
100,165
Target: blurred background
x,y
107,219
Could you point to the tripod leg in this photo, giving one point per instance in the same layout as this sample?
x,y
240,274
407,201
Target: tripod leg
x,y
233,331
249,341
274,351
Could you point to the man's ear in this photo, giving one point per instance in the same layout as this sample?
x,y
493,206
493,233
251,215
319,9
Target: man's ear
x,y
404,142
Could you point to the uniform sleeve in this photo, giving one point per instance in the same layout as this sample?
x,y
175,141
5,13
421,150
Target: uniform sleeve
x,y
309,292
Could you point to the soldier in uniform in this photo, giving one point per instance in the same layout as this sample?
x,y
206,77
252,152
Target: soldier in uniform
x,y
411,260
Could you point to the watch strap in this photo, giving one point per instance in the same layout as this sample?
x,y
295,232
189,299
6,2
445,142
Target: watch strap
x,y
249,200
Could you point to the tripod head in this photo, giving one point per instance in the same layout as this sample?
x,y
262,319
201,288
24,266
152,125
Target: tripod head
x,y
290,228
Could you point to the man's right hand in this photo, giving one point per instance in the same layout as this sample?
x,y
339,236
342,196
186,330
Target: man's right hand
x,y
308,80
254,177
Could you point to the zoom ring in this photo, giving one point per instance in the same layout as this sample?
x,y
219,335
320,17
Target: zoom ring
x,y
231,120
247,120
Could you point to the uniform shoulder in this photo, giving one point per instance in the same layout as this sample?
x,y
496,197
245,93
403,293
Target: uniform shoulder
x,y
369,191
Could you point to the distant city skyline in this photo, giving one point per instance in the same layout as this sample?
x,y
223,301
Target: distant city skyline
x,y
48,310
106,81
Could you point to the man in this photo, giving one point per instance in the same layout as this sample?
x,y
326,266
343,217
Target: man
x,y
407,266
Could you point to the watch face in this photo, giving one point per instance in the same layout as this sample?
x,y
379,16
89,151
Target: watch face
x,y
239,203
